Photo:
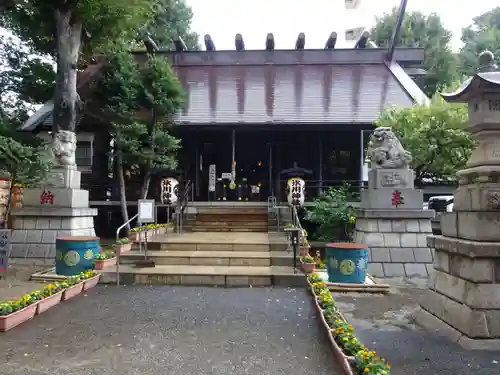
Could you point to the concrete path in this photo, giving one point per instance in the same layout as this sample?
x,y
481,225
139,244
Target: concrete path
x,y
384,324
172,330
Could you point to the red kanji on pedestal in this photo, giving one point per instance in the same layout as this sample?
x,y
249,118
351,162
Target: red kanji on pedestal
x,y
397,198
47,197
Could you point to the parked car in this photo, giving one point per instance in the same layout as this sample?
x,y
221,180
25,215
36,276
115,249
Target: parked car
x,y
440,204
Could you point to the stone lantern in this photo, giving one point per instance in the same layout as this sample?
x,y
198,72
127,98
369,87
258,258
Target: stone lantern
x,y
463,299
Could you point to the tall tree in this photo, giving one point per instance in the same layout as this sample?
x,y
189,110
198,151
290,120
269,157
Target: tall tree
x,y
173,19
484,33
428,32
68,29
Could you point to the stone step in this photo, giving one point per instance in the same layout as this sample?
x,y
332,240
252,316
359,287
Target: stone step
x,y
230,217
231,210
222,276
231,223
213,258
207,246
226,229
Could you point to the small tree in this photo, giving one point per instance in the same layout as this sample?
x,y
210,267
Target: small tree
x,y
435,136
138,101
25,163
160,95
333,214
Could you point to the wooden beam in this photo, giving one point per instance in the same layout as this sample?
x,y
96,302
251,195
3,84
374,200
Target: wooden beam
x,y
301,41
270,42
180,46
331,41
239,43
209,43
363,40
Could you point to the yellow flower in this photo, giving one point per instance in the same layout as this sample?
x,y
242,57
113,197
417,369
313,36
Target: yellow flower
x,y
366,369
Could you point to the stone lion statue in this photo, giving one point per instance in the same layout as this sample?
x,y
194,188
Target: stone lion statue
x,y
386,151
63,148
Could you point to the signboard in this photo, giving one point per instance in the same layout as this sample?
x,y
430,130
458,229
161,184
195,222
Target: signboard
x,y
146,210
227,176
211,177
4,250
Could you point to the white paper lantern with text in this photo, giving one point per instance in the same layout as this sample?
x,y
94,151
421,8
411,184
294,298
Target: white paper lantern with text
x,y
169,191
296,190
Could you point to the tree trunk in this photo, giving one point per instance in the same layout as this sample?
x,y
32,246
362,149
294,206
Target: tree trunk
x,y
149,164
123,191
66,99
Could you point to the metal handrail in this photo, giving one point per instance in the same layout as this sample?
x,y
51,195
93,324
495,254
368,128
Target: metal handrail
x,y
183,203
118,252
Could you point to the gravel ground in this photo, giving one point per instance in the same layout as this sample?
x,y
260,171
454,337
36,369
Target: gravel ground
x,y
384,323
172,330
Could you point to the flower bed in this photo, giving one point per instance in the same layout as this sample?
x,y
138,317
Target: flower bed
x,y
123,245
354,357
19,310
138,234
105,258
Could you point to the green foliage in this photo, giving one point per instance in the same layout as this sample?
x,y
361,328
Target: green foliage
x,y
428,32
104,21
173,19
25,163
333,214
435,136
483,34
139,100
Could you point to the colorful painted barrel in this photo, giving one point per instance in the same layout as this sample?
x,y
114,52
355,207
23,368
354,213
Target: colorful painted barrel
x,y
346,262
75,254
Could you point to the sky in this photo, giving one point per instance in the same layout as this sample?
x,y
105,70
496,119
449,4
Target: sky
x,y
222,19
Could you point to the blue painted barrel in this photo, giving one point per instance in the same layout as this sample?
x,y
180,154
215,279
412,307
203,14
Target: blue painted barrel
x,y
346,262
75,254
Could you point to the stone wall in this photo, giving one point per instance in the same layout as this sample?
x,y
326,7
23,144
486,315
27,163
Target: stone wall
x,y
398,247
33,237
464,292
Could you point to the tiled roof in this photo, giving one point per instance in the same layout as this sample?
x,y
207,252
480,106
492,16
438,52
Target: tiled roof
x,y
288,94
274,87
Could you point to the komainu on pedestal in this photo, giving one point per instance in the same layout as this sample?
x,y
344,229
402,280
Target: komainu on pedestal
x,y
391,219
58,208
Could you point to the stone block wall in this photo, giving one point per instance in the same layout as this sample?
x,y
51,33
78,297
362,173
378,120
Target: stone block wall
x,y
33,236
464,292
397,247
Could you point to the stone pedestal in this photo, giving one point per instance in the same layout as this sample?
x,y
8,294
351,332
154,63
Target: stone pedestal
x,y
60,208
463,299
397,240
396,234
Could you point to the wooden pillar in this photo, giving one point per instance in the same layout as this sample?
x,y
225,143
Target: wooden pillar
x,y
320,165
278,169
197,166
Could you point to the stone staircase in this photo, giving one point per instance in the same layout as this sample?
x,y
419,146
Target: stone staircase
x,y
228,219
225,259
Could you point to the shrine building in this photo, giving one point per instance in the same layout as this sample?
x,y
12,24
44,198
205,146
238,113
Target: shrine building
x,y
252,114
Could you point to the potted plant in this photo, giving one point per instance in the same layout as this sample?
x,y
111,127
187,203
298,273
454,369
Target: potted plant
x,y
334,215
308,264
51,296
91,278
123,245
137,234
104,259
169,227
73,286
16,311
